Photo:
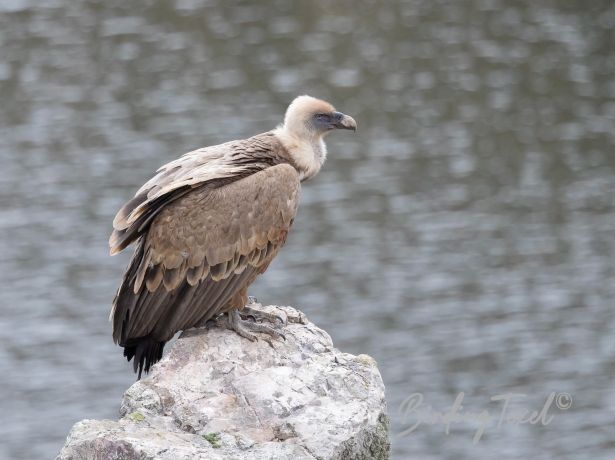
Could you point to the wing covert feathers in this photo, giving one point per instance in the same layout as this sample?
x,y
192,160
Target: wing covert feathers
x,y
214,166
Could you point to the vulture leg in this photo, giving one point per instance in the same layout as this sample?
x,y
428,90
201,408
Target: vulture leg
x,y
245,328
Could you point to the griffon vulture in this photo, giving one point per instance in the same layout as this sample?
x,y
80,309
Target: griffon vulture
x,y
207,224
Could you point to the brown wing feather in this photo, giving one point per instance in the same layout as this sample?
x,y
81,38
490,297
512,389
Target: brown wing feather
x,y
200,250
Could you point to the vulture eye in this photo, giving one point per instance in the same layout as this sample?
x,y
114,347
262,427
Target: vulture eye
x,y
323,117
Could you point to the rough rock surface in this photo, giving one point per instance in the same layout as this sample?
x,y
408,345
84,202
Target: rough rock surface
x,y
216,395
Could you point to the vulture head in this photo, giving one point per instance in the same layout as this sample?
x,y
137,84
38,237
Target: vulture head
x,y
308,117
306,122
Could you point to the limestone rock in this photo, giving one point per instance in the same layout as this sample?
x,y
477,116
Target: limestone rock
x,y
216,395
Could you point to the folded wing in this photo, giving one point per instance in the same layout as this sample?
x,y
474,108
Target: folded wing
x,y
200,250
214,165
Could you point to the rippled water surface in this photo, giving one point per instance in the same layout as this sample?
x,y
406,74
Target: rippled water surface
x,y
464,237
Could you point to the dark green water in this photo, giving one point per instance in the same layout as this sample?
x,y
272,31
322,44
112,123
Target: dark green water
x,y
464,237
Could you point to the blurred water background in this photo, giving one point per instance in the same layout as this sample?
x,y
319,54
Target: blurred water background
x,y
464,237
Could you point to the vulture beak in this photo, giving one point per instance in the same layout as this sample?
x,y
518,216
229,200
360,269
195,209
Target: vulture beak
x,y
343,121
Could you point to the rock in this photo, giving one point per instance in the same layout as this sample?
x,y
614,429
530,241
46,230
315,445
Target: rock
x,y
216,395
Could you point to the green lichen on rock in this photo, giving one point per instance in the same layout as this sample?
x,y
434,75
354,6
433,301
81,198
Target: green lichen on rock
x,y
366,360
213,439
136,416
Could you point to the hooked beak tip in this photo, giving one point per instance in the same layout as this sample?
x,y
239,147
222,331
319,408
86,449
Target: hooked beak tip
x,y
347,122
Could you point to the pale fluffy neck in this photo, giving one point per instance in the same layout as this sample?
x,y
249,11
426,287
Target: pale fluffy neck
x,y
308,153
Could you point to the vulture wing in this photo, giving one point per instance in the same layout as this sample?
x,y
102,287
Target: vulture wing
x,y
200,250
220,163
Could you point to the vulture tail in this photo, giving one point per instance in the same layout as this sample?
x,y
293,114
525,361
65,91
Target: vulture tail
x,y
146,351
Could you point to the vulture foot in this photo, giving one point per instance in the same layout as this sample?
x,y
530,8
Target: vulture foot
x,y
246,328
261,315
